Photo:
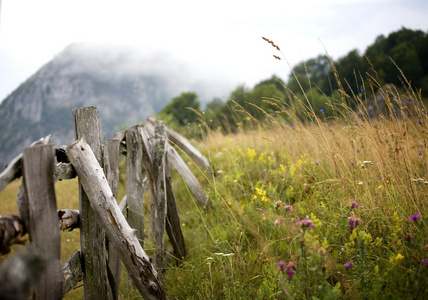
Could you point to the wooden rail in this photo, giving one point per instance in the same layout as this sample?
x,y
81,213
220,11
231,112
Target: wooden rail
x,y
109,233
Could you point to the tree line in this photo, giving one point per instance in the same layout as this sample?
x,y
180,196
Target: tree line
x,y
399,58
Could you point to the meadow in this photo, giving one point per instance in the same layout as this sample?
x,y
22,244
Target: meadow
x,y
303,208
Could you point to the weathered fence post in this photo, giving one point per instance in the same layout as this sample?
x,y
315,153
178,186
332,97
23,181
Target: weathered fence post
x,y
38,162
154,149
118,230
92,235
19,274
173,224
134,182
181,142
111,168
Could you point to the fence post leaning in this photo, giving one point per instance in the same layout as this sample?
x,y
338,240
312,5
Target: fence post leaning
x,y
118,230
92,235
44,232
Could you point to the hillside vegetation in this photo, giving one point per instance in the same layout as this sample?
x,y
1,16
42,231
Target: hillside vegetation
x,y
317,195
306,205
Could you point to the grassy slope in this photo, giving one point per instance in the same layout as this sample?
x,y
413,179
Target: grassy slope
x,y
317,168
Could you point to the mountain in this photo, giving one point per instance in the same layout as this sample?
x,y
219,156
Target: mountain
x,y
125,85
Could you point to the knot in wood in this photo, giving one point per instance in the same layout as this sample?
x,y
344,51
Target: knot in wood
x,y
153,286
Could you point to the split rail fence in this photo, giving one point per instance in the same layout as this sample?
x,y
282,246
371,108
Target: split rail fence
x,y
110,233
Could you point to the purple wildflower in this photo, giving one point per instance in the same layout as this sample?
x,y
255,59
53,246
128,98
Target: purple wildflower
x,y
321,110
349,265
287,208
354,204
291,265
425,261
356,123
415,217
353,222
290,274
306,223
281,266
409,237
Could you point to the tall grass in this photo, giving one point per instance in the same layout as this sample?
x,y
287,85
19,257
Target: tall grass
x,y
361,184
304,206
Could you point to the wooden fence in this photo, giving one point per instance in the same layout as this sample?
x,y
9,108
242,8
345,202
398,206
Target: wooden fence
x,y
109,233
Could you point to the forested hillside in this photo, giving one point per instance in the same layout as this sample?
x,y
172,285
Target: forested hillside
x,y
330,86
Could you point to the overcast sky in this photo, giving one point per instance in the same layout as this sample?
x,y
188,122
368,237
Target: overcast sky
x,y
222,38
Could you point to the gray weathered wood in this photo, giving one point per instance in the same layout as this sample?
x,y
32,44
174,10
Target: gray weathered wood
x,y
14,168
134,182
154,147
69,219
92,236
159,207
21,199
22,202
173,224
118,231
181,142
111,169
72,271
64,171
11,172
38,162
20,273
187,175
12,230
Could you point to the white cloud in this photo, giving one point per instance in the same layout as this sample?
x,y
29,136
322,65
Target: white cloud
x,y
220,37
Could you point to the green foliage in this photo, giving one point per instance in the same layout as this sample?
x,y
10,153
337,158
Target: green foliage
x,y
180,108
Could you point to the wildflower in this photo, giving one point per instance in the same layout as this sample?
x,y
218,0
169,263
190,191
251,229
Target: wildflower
x,y
409,237
277,222
354,204
415,217
291,265
399,256
349,265
421,122
362,90
287,208
360,183
321,110
354,222
236,165
420,153
292,126
352,163
425,261
356,123
278,204
358,150
317,163
251,153
290,274
306,223
281,266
